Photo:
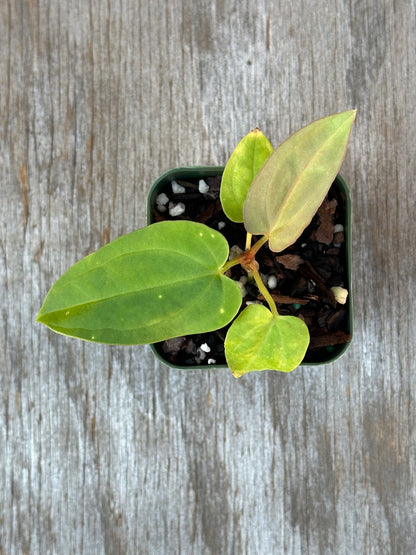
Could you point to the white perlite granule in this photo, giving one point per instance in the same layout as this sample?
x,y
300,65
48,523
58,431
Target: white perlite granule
x,y
162,199
234,251
176,188
203,186
176,209
340,294
242,288
205,347
272,281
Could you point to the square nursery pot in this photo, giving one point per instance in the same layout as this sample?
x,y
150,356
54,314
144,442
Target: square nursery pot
x,y
304,290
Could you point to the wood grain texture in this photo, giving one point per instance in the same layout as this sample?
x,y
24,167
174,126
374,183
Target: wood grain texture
x,y
105,450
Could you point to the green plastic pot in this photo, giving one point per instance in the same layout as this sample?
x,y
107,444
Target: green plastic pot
x,y
327,355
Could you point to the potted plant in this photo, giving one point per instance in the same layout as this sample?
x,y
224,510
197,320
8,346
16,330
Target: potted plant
x,y
174,278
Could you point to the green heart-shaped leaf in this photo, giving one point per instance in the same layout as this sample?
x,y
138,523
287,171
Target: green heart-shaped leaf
x,y
156,283
258,340
293,182
242,167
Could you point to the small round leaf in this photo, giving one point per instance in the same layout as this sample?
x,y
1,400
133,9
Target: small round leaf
x,y
258,340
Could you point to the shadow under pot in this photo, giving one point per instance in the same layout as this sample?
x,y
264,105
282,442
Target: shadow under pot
x,y
309,279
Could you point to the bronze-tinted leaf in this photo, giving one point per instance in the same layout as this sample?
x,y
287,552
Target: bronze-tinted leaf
x,y
293,182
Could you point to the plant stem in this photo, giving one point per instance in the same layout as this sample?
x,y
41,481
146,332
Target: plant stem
x,y
259,244
248,241
230,264
264,291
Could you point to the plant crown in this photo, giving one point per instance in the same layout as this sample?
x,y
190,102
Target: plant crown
x,y
168,279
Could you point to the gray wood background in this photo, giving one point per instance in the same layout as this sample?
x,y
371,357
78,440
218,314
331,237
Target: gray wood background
x,y
105,450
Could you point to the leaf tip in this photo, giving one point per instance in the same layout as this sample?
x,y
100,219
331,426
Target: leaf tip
x,y
349,114
39,317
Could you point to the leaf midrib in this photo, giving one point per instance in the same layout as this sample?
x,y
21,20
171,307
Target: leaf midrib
x,y
123,255
295,182
132,292
270,325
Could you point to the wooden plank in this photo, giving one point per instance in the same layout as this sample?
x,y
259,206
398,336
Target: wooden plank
x,y
105,450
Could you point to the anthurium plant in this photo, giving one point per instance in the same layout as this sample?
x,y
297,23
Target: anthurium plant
x,y
169,278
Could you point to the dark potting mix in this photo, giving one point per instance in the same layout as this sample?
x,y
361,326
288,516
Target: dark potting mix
x,y
299,278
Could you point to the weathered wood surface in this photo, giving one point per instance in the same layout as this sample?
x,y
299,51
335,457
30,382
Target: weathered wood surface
x,y
103,449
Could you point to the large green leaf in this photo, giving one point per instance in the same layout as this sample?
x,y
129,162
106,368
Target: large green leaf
x,y
242,167
258,340
155,283
293,182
